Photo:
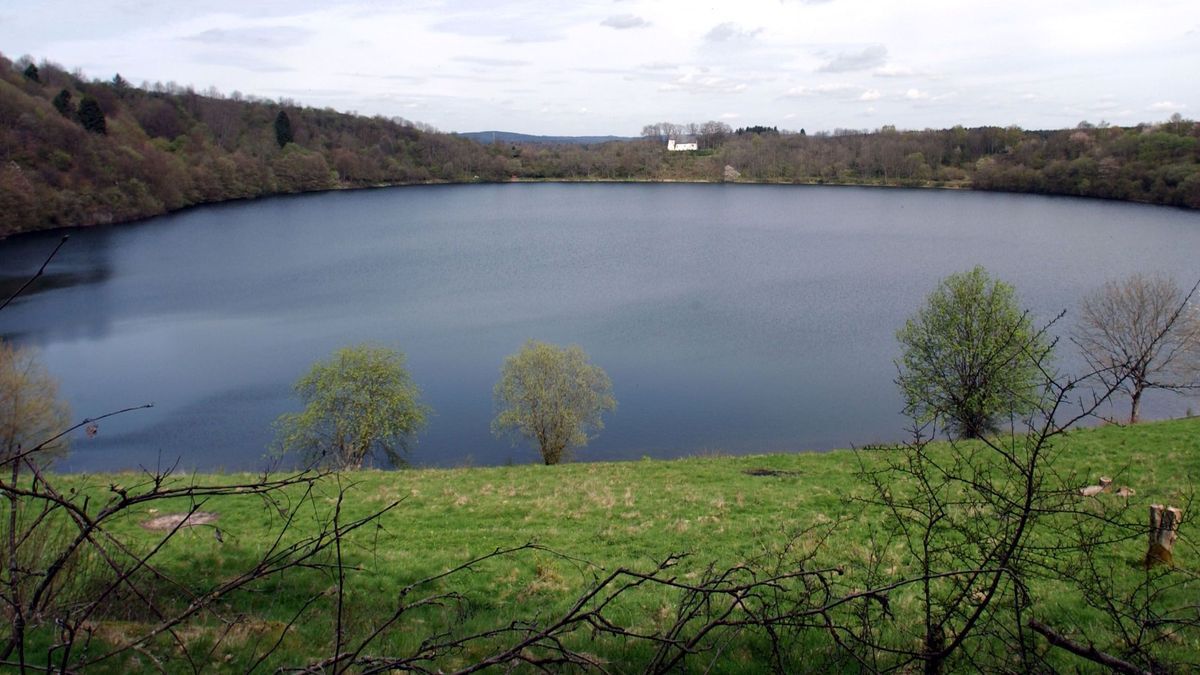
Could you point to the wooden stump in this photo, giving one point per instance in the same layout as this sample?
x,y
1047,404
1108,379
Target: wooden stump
x,y
1093,490
1164,530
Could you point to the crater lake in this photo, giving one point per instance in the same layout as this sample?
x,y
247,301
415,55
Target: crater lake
x,y
730,318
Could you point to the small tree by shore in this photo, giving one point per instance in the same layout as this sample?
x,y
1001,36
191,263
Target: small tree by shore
x,y
553,396
30,411
359,404
1141,333
971,356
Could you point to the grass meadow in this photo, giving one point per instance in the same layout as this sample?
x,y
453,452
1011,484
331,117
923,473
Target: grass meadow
x,y
590,518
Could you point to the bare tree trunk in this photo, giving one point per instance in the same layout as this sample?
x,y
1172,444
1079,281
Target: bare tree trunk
x,y
1164,529
1135,409
935,644
17,636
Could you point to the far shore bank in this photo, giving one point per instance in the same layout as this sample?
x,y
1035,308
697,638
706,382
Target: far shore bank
x,y
928,185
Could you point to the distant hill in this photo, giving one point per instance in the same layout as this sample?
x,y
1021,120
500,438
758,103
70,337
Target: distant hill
x,y
488,137
77,152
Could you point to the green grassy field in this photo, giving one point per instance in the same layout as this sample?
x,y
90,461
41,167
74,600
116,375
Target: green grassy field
x,y
719,510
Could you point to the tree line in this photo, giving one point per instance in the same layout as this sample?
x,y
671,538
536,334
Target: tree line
x,y
77,152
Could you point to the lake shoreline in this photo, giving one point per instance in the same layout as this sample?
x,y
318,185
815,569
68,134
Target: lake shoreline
x,y
67,229
770,457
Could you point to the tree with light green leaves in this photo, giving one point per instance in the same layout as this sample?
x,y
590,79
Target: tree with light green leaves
x,y
553,396
360,404
970,357
30,412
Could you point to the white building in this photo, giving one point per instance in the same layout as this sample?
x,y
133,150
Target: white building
x,y
681,147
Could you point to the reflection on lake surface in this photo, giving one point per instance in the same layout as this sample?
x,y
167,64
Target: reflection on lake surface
x,y
731,318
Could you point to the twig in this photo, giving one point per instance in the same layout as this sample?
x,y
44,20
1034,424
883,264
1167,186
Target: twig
x,y
39,272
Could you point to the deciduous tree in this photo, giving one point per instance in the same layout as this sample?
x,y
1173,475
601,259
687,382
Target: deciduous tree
x,y
1141,333
359,404
970,357
30,412
553,396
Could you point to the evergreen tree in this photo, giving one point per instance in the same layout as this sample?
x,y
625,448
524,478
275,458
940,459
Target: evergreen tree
x,y
62,103
283,128
31,72
91,116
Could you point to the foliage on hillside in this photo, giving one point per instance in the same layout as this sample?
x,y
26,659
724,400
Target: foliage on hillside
x,y
164,150
78,152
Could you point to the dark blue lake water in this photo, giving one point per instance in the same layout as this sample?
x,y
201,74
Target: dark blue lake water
x,y
731,318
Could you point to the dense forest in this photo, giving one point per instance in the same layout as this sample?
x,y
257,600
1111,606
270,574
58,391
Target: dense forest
x,y
75,152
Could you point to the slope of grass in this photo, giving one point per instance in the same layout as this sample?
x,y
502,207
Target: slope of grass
x,y
720,510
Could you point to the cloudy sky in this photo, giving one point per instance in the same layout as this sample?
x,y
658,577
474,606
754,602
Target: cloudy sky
x,y
612,66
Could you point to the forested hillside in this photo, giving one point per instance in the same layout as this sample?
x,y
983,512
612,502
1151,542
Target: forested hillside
x,y
79,152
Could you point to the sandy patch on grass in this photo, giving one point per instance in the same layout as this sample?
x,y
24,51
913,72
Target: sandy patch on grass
x,y
172,520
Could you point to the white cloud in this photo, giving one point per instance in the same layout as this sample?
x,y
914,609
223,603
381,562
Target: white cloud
x,y
916,95
894,70
253,36
864,59
730,32
624,21
1105,104
488,61
835,90
1166,106
702,83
